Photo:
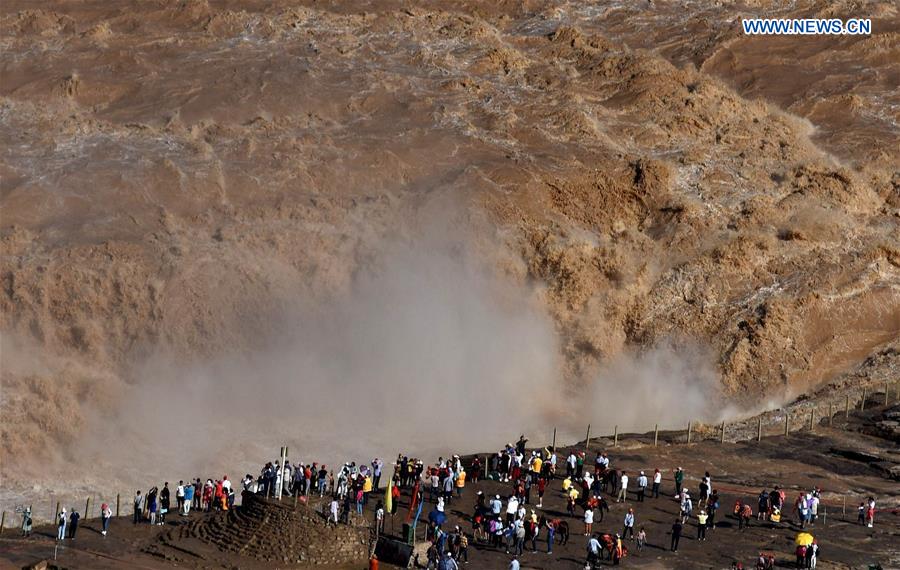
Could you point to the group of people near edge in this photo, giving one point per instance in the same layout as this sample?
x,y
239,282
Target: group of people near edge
x,y
512,521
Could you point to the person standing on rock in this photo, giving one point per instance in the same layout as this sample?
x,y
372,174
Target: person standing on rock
x,y
593,550
448,488
701,525
152,504
73,523
512,507
105,515
623,491
448,563
677,527
61,525
628,529
335,506
812,555
179,496
198,494
27,522
762,504
551,535
712,507
642,487
588,520
188,499
164,502
463,553
379,517
460,482
138,507
377,466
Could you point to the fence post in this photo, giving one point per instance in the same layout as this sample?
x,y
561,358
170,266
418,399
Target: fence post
x,y
862,403
87,509
787,422
812,418
690,428
587,439
56,515
830,414
723,431
2,522
847,412
616,436
844,508
759,428
886,392
824,515
118,498
656,435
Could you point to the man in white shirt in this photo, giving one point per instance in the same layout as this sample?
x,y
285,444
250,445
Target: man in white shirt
x,y
657,479
642,487
496,505
593,549
179,496
512,507
623,491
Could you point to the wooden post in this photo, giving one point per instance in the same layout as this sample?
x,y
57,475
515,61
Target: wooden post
x,y
812,418
118,500
847,412
2,522
830,414
554,439
616,436
844,507
56,515
587,439
87,509
886,392
759,429
723,432
862,403
787,422
824,515
656,435
690,429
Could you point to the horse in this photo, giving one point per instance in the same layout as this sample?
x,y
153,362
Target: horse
x,y
608,544
562,530
611,481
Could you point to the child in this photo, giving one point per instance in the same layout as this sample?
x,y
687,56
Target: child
x,y
861,517
641,539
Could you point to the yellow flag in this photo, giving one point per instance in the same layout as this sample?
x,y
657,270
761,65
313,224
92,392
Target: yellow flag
x,y
388,497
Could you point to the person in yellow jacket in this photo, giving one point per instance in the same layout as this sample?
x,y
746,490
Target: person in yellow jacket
x,y
572,499
367,488
460,482
618,552
567,484
536,465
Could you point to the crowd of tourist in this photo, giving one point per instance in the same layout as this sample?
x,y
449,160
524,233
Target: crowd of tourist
x,y
512,521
